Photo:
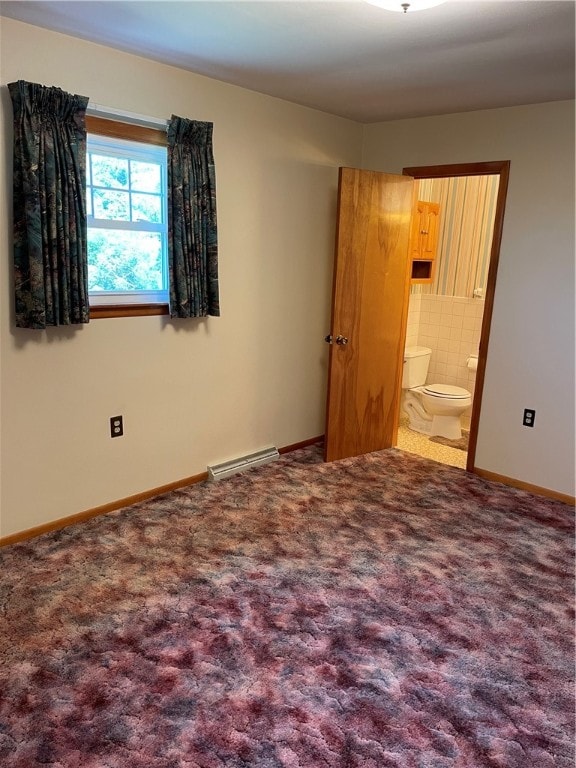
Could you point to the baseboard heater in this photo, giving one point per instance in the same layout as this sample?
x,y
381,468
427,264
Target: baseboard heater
x,y
228,468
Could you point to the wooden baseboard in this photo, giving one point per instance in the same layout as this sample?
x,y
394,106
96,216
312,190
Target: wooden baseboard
x,y
64,522
303,444
521,485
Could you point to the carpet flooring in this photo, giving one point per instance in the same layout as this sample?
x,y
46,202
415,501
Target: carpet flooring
x,y
378,612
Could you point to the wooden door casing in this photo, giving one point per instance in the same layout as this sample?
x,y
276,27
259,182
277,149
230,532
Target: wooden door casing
x,y
502,169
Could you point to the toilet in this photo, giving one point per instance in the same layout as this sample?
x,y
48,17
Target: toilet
x,y
433,409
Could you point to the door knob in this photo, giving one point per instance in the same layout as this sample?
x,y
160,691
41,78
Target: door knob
x,y
328,338
341,340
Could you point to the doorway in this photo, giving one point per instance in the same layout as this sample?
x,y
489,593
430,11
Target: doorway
x,y
452,313
370,305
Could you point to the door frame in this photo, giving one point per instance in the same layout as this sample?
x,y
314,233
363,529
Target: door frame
x,y
499,168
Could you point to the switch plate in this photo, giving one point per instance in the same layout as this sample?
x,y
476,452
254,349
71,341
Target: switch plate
x,y
529,416
116,426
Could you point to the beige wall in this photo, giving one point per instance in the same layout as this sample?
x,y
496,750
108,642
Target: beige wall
x,y
203,392
191,393
531,352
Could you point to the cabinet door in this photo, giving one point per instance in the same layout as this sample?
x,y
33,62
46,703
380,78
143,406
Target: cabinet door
x,y
416,229
424,231
429,230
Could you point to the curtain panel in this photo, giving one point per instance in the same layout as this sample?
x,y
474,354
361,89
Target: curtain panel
x,y
50,251
192,231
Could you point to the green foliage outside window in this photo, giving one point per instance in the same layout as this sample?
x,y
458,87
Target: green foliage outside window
x,y
124,261
125,206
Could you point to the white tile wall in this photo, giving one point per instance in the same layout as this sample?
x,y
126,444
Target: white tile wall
x,y
414,319
451,327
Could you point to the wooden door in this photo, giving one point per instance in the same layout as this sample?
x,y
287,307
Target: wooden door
x,y
369,308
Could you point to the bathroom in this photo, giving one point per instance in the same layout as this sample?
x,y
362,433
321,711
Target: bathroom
x,y
445,312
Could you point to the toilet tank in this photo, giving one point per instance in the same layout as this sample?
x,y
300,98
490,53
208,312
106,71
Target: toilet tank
x,y
416,362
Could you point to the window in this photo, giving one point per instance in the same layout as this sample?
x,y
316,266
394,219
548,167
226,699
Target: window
x,y
126,207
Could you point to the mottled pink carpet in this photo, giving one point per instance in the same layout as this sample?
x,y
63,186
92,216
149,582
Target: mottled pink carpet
x,y
384,611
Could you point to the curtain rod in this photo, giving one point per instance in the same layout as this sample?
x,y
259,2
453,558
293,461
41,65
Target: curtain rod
x,y
110,113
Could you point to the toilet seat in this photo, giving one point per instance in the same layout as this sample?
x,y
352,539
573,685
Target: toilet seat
x,y
447,391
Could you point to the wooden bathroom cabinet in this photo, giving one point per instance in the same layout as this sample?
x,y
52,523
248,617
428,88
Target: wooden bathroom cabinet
x,y
424,241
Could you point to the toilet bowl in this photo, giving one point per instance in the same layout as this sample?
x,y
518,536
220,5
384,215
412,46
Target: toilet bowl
x,y
432,409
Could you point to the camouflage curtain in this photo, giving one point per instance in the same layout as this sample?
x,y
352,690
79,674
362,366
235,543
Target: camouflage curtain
x,y
192,235
50,258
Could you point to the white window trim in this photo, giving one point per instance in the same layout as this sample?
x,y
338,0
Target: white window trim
x,y
140,151
127,298
121,116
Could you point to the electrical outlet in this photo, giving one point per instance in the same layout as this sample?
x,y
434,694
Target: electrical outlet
x,y
529,416
116,426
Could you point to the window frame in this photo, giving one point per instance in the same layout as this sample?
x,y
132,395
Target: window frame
x,y
99,126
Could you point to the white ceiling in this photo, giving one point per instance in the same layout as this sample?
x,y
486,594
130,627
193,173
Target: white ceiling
x,y
347,58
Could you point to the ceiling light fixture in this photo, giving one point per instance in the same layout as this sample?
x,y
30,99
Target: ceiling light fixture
x,y
405,6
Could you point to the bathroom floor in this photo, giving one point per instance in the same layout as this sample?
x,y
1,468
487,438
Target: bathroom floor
x,y
415,442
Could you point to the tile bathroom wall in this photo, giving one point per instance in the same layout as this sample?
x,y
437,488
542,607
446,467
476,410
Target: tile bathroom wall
x,y
413,324
451,327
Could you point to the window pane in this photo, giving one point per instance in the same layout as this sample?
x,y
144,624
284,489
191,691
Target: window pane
x,y
145,177
126,199
147,208
111,205
109,171
124,261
